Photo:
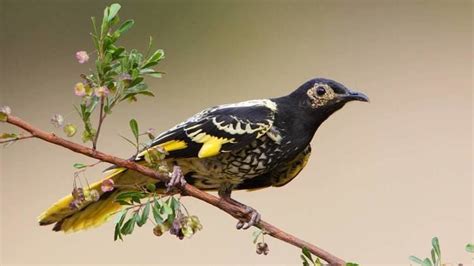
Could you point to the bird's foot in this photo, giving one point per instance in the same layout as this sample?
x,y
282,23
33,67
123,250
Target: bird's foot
x,y
224,193
177,179
254,218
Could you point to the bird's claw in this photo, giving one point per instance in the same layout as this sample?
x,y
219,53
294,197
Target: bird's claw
x,y
254,219
177,178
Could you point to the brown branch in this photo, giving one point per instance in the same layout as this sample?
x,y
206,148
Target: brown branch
x,y
187,189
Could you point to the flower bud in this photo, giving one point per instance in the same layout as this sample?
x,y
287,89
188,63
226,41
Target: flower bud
x,y
82,57
70,130
101,91
107,185
262,248
94,195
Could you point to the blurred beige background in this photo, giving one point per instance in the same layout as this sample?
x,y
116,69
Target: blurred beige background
x,y
384,177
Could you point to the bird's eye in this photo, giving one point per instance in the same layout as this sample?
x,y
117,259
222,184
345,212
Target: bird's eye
x,y
320,91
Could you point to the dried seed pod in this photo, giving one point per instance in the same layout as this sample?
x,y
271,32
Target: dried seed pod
x,y
262,248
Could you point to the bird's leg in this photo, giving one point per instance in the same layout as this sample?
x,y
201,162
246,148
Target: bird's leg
x,y
225,192
176,178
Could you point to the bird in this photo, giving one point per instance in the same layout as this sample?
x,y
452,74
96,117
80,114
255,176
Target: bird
x,y
248,145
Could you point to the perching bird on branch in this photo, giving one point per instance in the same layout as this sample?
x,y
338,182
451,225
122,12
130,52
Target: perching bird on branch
x,y
248,145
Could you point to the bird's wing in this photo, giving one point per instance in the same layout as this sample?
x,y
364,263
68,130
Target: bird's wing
x,y
219,129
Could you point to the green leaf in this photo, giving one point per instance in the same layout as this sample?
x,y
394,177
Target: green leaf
x,y
435,244
167,209
3,117
130,195
150,42
255,235
415,260
117,234
79,165
305,261
156,74
433,256
8,136
174,204
157,55
144,216
126,26
147,93
118,52
129,225
123,202
307,253
136,199
318,262
347,264
118,224
151,187
427,262
120,216
156,208
134,127
154,58
146,70
113,10
470,247
137,84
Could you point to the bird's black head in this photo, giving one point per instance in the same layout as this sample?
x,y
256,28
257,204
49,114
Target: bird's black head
x,y
325,96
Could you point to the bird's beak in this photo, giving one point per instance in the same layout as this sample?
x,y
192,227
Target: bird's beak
x,y
355,96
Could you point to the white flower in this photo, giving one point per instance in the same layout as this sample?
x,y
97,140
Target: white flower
x,y
6,110
57,120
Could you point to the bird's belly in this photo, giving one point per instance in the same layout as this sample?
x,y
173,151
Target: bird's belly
x,y
232,168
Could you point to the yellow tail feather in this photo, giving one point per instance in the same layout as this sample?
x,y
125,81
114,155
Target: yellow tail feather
x,y
96,213
88,216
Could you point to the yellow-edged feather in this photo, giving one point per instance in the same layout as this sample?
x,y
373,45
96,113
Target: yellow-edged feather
x,y
174,145
91,215
211,146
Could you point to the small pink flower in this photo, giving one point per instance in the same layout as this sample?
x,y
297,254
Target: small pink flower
x,y
80,89
125,76
82,57
101,91
151,131
107,185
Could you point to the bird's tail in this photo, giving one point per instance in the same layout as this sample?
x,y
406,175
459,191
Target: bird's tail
x,y
89,214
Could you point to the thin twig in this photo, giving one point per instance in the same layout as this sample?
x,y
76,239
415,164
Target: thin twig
x,y
101,119
16,139
188,190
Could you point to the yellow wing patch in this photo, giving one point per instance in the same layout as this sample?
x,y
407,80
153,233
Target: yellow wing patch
x,y
211,145
174,145
168,146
